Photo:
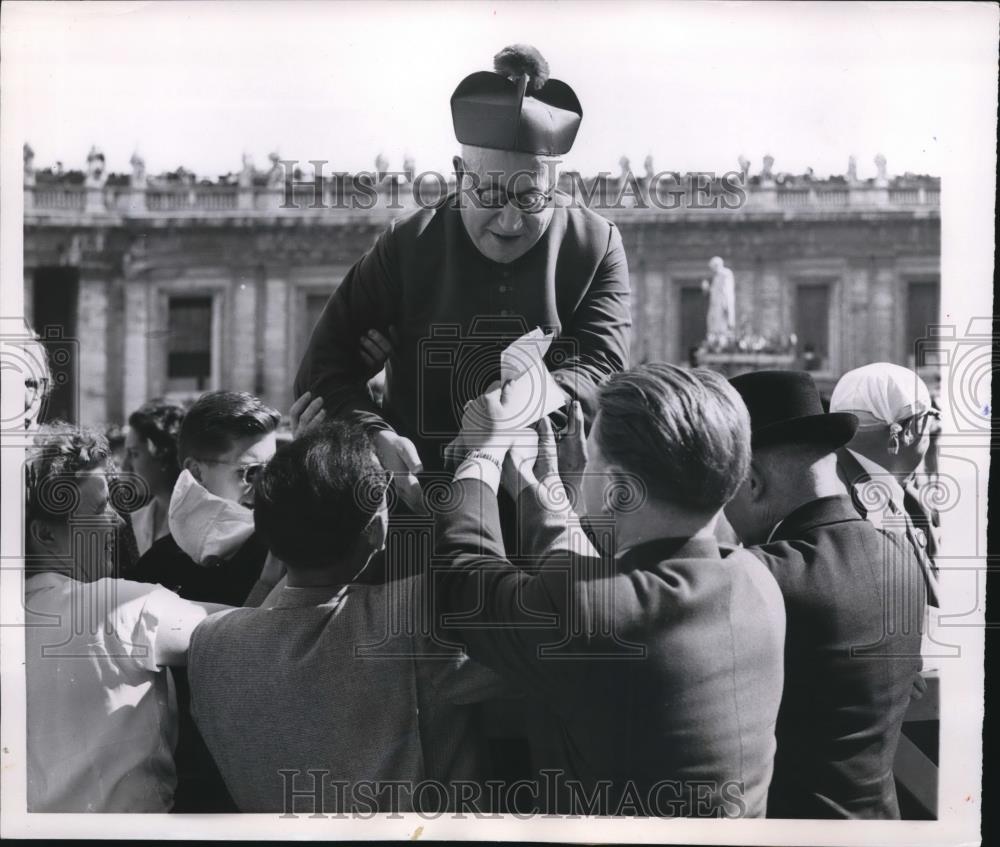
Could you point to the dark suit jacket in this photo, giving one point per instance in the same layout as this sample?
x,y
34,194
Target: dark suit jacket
x,y
453,310
854,597
664,668
228,582
918,526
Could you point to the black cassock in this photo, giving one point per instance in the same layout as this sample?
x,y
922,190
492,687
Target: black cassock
x,y
453,310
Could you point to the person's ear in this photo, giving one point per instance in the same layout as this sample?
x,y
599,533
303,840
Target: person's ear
x,y
192,466
40,534
756,481
375,532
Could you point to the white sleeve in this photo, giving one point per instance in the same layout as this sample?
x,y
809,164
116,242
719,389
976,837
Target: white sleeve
x,y
147,615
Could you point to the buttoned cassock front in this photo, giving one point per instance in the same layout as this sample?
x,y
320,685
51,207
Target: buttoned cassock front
x,y
453,309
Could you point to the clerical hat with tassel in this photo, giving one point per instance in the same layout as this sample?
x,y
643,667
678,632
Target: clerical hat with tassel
x,y
516,107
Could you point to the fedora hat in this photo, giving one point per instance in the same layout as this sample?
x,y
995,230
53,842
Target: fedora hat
x,y
785,408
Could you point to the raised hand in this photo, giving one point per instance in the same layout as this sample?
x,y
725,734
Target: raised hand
x,y
399,456
306,413
572,447
376,350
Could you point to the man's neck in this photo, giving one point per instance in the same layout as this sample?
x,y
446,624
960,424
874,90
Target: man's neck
x,y
341,572
816,489
653,522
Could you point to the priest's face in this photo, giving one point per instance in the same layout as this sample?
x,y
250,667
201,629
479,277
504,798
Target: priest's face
x,y
506,199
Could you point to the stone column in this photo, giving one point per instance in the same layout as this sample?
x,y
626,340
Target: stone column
x,y
92,327
882,314
241,329
136,344
279,359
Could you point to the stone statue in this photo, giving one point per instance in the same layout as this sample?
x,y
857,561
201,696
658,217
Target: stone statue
x,y
744,164
381,166
96,175
29,165
852,169
880,172
276,174
245,179
409,168
625,165
648,167
138,170
768,172
721,291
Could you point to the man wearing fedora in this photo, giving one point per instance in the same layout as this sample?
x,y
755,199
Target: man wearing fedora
x,y
503,254
854,600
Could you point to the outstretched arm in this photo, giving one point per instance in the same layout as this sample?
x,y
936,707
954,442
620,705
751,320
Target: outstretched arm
x,y
596,343
333,367
173,620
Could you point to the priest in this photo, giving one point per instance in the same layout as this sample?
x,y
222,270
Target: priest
x,y
504,253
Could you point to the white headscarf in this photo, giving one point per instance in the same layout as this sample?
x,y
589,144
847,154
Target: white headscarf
x,y
880,395
206,527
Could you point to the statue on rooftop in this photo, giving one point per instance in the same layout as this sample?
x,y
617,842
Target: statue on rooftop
x,y
767,172
29,164
648,167
744,164
409,167
381,166
880,169
721,320
276,174
852,169
138,170
245,179
625,165
96,175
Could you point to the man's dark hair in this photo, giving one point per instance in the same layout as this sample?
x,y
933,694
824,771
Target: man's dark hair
x,y
218,419
61,451
684,433
317,494
158,422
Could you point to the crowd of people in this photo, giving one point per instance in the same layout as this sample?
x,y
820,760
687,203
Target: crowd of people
x,y
673,595
250,601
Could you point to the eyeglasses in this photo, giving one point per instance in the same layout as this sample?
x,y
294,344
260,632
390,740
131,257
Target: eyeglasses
x,y
530,202
922,421
248,472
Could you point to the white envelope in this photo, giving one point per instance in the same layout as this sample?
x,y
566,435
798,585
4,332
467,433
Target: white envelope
x,y
533,394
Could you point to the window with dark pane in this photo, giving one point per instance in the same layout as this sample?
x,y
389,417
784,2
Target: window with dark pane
x,y
812,325
315,303
189,345
923,310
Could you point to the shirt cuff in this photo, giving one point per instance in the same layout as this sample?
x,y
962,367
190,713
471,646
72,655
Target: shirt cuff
x,y
482,469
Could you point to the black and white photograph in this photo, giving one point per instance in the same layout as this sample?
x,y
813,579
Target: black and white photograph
x,y
558,421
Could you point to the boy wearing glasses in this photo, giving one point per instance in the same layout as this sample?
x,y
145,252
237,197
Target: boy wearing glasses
x,y
211,552
504,253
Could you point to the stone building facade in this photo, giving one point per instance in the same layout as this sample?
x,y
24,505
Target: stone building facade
x,y
172,286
